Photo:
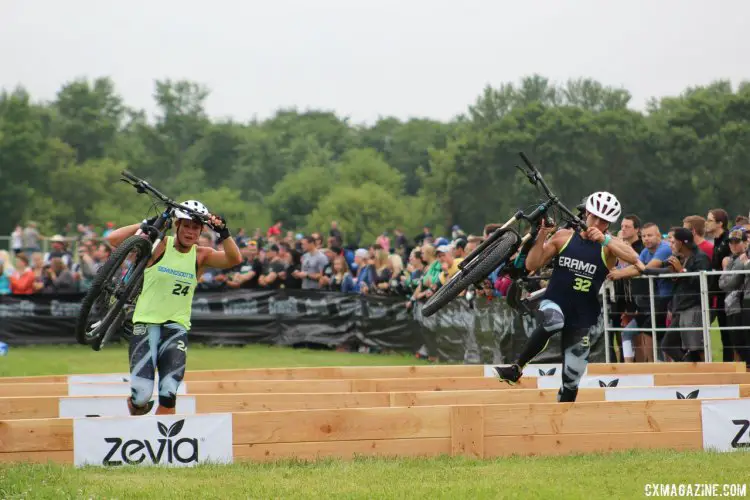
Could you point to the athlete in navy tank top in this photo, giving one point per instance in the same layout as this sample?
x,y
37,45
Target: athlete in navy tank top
x,y
579,272
571,304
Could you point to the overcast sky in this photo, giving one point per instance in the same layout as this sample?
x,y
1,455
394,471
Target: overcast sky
x,y
364,59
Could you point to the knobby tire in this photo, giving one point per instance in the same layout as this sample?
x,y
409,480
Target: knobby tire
x,y
487,261
105,274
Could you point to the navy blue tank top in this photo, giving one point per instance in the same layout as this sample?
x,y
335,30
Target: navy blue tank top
x,y
577,276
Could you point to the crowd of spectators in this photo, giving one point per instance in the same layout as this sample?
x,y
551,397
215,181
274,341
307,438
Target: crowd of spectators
x,y
711,243
414,268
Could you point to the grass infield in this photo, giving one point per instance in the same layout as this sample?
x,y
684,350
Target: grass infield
x,y
619,475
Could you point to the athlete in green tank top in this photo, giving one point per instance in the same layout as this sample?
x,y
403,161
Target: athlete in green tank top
x,y
161,319
168,288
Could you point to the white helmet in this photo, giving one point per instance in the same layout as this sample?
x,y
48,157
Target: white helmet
x,y
193,204
604,205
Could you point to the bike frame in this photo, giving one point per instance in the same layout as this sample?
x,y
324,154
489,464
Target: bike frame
x,y
535,178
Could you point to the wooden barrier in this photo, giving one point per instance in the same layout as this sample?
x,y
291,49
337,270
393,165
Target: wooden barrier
x,y
427,371
479,431
31,407
359,385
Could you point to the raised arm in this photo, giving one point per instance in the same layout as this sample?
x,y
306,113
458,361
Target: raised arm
x,y
544,250
116,237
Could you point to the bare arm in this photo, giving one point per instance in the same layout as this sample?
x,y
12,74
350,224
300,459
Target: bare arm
x,y
228,256
543,249
623,251
116,237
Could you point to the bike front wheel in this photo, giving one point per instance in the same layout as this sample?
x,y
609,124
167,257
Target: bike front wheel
x,y
111,297
483,264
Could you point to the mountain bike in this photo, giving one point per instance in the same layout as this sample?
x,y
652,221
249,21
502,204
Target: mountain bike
x,y
109,304
502,244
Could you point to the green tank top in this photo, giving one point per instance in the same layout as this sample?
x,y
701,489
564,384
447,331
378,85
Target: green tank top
x,y
168,288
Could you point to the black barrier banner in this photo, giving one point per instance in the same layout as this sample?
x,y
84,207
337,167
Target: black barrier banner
x,y
481,331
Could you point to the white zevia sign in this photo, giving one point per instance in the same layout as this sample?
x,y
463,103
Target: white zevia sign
x,y
77,407
590,381
726,425
679,392
531,370
159,440
111,389
99,377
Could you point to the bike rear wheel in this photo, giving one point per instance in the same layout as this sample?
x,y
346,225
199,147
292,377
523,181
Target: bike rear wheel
x,y
111,297
484,263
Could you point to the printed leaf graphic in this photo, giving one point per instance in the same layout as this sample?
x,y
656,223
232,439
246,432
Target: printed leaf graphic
x,y
552,371
614,383
680,396
162,429
176,428
541,372
602,384
693,395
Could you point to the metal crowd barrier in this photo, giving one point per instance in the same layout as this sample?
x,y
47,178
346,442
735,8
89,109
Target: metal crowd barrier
x,y
705,312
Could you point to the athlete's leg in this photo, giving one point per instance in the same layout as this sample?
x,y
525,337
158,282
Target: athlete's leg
x,y
550,319
576,348
172,357
142,353
628,336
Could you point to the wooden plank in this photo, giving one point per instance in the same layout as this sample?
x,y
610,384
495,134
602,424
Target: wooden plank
x,y
513,396
269,386
339,372
38,457
36,379
593,417
366,385
213,403
701,378
310,451
467,431
51,434
564,444
341,425
29,407
654,368
450,384
43,389
415,371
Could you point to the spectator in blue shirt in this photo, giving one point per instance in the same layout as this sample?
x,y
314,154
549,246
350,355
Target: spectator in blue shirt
x,y
654,255
5,273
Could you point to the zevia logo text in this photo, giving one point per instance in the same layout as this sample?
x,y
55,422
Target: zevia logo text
x,y
166,450
744,426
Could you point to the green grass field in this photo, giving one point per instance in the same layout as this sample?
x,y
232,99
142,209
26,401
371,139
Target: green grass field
x,y
53,360
621,475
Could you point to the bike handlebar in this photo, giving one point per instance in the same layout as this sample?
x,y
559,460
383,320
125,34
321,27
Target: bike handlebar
x,y
535,177
143,186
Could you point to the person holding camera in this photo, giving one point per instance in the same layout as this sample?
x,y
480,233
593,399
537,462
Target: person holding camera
x,y
736,288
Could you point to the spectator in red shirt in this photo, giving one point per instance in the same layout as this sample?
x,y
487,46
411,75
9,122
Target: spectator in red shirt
x,y
697,225
274,230
22,281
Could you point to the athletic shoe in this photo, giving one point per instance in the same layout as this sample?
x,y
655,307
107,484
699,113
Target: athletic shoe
x,y
510,374
139,410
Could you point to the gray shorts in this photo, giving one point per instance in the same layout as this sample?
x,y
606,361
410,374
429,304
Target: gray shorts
x,y
691,340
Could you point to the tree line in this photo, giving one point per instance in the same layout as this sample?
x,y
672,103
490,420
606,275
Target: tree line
x,y
60,160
